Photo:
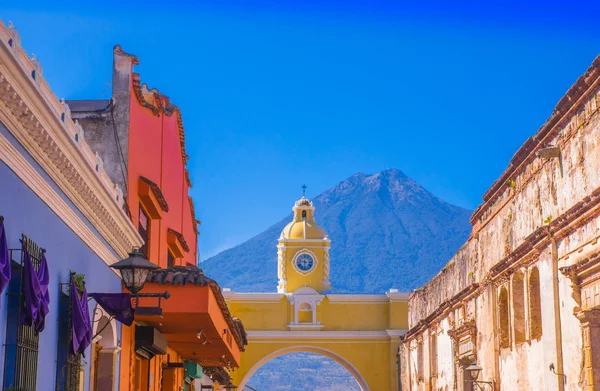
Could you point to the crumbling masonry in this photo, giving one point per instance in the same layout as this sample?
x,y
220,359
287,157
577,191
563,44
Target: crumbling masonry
x,y
521,298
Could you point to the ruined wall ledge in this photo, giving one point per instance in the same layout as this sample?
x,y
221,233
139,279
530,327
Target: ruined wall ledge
x,y
580,95
525,254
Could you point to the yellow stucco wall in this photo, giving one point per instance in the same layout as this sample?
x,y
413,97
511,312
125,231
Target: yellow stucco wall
x,y
262,316
360,332
370,359
353,316
296,280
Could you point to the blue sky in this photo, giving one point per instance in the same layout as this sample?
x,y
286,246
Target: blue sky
x,y
277,94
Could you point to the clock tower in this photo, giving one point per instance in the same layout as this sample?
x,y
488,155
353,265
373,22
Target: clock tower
x,y
303,252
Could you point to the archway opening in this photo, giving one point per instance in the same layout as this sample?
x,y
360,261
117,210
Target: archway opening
x,y
303,368
104,351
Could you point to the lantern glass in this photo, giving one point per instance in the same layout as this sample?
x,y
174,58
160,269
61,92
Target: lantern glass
x,y
134,270
139,278
127,277
474,370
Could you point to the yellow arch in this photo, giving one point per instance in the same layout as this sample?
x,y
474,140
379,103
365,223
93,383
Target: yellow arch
x,y
307,349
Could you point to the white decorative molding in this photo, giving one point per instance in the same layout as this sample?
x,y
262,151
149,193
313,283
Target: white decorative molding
x,y
326,282
274,335
313,256
111,349
79,128
285,241
357,299
395,333
247,297
307,296
13,37
34,115
305,327
281,269
29,175
394,295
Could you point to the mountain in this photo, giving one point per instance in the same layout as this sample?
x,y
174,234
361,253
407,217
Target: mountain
x,y
386,232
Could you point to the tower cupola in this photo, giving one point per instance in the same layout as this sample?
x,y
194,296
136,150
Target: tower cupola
x,y
303,251
303,224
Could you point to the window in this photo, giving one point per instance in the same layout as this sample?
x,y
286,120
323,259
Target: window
x,y
22,342
433,349
170,259
68,365
535,305
305,313
518,303
144,230
503,319
303,215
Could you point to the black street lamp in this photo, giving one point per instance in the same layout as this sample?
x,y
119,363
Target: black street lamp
x,y
134,270
474,370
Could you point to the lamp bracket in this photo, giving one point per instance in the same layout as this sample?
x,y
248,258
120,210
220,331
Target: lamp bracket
x,y
149,311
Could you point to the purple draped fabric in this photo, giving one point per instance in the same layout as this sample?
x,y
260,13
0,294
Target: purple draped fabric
x,y
35,289
80,320
4,258
117,305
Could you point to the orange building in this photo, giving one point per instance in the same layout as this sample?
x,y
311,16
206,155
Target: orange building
x,y
140,138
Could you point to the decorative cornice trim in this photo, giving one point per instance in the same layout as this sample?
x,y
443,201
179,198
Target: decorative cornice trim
x,y
137,90
40,123
159,107
180,238
396,333
257,335
529,249
28,174
195,221
396,296
357,299
283,241
441,311
157,193
240,297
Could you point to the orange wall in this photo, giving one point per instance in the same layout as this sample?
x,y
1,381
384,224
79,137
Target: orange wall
x,y
127,369
155,153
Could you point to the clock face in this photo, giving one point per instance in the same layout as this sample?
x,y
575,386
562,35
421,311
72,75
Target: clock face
x,y
304,262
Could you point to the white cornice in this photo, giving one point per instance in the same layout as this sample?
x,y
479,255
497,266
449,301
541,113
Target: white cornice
x,y
357,299
28,174
250,297
395,333
333,298
32,113
325,241
394,295
305,327
258,335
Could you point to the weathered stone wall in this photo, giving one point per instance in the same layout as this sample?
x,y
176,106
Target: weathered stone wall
x,y
538,217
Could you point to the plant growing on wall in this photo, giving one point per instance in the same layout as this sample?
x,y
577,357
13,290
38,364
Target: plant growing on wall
x,y
79,281
548,220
